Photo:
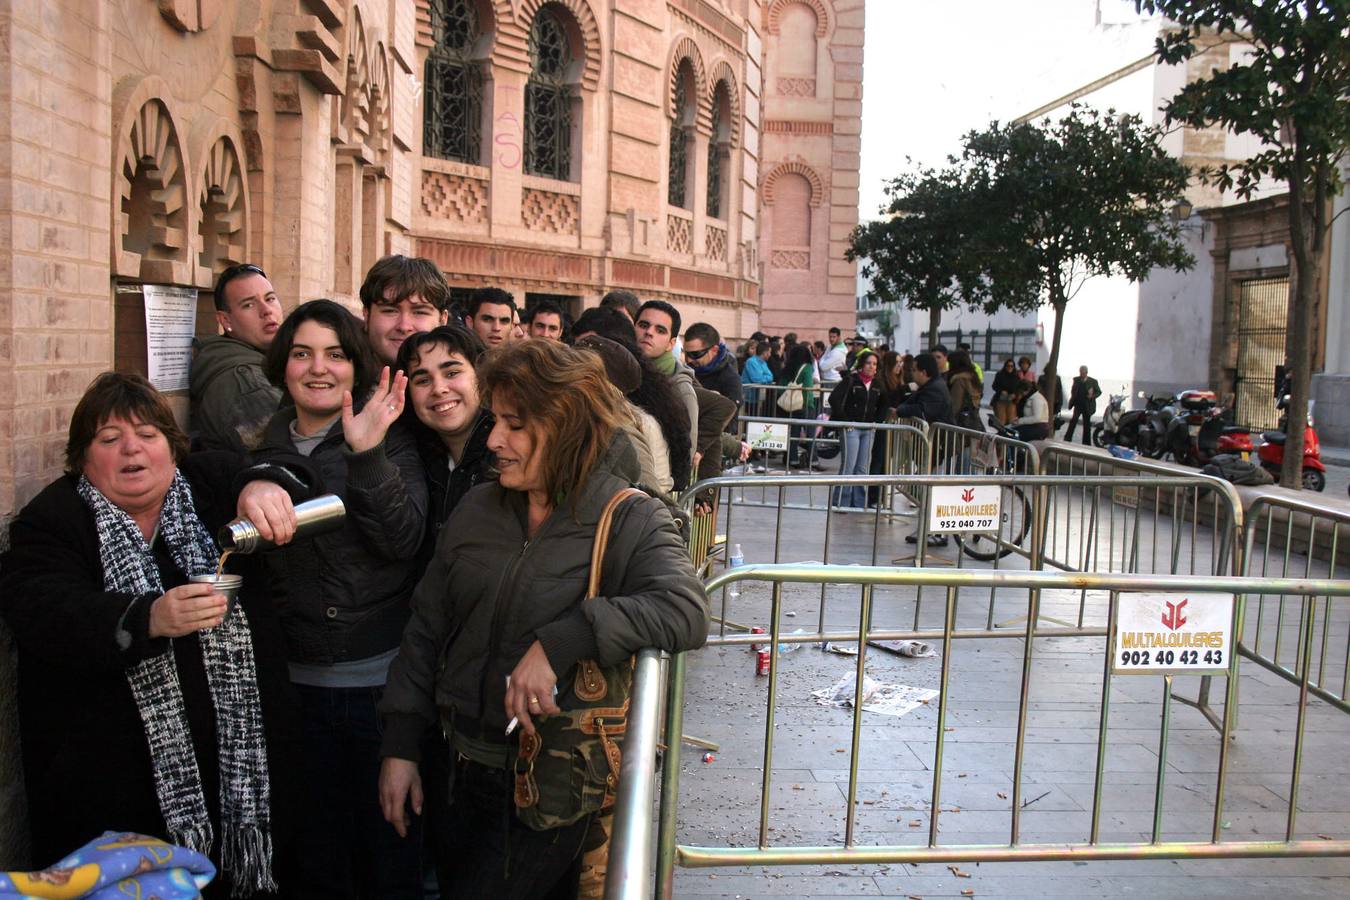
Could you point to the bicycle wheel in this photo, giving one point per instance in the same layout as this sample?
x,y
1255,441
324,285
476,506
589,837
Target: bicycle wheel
x,y
1014,528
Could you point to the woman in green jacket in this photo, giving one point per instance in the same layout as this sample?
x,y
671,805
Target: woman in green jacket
x,y
798,369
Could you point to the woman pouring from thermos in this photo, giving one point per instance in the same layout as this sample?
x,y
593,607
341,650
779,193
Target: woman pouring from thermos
x,y
147,703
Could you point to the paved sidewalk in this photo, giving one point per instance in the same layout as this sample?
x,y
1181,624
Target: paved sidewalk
x,y
726,703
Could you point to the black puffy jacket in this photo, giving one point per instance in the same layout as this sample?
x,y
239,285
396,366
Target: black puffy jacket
x,y
491,591
344,595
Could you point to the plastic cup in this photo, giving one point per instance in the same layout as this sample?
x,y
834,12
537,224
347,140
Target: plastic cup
x,y
226,585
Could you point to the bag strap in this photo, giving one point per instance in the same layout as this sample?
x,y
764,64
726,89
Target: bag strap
x,y
589,684
601,542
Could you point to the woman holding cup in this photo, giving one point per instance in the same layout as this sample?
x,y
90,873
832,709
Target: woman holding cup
x,y
147,702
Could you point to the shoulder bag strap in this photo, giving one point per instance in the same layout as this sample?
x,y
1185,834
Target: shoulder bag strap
x,y
589,684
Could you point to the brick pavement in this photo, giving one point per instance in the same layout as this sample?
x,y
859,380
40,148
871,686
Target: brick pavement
x,y
719,800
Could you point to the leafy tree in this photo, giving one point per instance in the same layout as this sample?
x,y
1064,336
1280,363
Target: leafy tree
x,y
921,252
1292,90
1091,194
1025,215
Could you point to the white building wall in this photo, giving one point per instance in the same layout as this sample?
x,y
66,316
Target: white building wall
x,y
1331,389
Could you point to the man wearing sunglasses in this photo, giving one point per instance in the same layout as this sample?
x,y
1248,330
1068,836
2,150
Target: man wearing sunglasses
x,y
713,364
230,398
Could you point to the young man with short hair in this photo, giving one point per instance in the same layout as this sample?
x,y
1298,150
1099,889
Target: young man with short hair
x,y
658,325
545,319
625,302
230,399
939,353
490,316
834,358
401,296
932,402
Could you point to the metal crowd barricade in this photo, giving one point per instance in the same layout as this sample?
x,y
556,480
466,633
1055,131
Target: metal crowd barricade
x,y
1034,508
1161,527
630,873
961,451
1288,537
762,399
813,437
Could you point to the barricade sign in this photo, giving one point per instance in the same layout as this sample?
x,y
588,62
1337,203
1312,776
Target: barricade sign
x,y
767,436
964,508
1127,497
1173,633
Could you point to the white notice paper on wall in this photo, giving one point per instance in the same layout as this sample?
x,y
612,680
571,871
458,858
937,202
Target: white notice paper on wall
x,y
170,323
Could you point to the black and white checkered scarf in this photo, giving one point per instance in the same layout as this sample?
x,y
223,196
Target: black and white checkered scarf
x,y
227,652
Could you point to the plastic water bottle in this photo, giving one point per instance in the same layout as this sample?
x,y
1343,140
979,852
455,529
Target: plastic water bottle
x,y
735,560
788,648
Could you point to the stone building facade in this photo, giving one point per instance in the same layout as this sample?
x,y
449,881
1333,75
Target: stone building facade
x,y
711,153
701,151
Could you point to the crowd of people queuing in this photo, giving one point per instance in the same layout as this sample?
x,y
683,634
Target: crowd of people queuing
x,y
374,717
382,711
846,380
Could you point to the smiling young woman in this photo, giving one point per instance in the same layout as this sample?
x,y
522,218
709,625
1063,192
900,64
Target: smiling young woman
x,y
343,598
503,596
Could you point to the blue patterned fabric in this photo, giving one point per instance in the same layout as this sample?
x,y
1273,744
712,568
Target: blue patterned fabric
x,y
114,866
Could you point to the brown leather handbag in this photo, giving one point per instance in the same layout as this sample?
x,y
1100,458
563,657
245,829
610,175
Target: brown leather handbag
x,y
569,767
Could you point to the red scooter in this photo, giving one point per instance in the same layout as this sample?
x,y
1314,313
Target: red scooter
x,y
1270,451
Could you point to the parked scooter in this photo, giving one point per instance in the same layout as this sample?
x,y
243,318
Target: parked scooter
x,y
1193,433
1104,433
1143,430
1270,450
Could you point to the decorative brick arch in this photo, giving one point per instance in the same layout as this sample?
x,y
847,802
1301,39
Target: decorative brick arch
x,y
721,71
222,234
362,111
816,6
380,91
795,167
686,48
153,219
581,16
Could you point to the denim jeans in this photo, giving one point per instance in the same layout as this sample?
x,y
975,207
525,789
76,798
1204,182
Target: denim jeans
x,y
500,858
857,461
347,849
798,443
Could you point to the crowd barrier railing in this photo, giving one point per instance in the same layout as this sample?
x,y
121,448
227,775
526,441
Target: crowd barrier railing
x,y
1288,537
1033,508
763,399
816,444
962,450
633,819
1163,526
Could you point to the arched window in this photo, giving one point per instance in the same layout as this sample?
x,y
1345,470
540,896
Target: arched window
x,y
719,147
548,101
453,110
681,118
791,211
796,57
791,222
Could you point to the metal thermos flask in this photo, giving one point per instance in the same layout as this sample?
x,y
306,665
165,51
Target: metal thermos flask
x,y
313,517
